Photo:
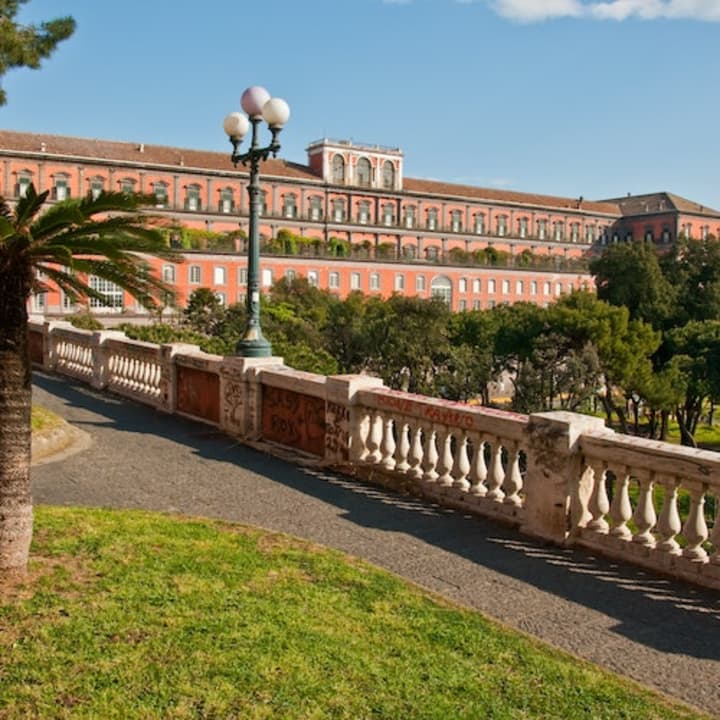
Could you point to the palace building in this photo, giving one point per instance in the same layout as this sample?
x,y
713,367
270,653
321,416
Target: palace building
x,y
347,220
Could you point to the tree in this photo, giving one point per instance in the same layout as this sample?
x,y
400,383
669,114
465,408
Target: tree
x,y
27,45
68,243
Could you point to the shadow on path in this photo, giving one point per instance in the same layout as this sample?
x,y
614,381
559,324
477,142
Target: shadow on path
x,y
653,611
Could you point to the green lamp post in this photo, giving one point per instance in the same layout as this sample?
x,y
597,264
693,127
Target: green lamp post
x,y
259,106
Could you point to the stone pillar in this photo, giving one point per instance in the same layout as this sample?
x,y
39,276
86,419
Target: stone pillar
x,y
241,395
99,356
553,471
49,344
340,414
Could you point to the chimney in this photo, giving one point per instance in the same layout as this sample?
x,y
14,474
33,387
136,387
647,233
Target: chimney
x,y
43,147
141,147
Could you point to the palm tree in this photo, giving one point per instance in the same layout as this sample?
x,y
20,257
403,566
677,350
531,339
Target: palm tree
x,y
72,240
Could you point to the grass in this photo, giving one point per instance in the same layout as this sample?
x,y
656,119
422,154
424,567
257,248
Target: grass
x,y
139,615
43,420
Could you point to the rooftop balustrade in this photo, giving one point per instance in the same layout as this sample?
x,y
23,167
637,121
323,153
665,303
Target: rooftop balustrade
x,y
558,476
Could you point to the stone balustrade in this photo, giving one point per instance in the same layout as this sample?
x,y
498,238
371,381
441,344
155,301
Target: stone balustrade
x,y
558,476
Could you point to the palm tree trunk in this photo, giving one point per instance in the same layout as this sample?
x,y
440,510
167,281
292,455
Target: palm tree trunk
x,y
16,517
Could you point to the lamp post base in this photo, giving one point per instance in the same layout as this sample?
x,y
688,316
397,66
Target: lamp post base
x,y
253,347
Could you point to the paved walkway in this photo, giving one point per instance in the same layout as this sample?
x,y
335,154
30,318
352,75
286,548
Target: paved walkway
x,y
662,633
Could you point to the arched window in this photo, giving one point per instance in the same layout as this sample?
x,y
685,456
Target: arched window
x,y
441,287
61,189
363,172
388,175
289,205
227,200
97,185
338,169
192,198
161,194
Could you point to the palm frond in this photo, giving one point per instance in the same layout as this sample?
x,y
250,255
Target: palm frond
x,y
28,207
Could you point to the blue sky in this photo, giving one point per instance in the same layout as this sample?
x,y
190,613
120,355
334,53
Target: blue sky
x,y
565,97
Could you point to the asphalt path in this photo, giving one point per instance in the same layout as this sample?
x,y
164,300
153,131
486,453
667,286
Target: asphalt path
x,y
663,633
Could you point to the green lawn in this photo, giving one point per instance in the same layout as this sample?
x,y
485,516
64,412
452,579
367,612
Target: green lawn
x,y
42,419
139,615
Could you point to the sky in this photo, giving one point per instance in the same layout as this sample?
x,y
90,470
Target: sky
x,y
561,97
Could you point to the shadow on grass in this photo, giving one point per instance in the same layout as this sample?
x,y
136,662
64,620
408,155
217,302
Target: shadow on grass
x,y
656,612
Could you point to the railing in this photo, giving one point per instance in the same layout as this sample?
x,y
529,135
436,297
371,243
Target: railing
x,y
558,476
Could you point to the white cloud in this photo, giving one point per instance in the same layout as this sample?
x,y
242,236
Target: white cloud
x,y
538,10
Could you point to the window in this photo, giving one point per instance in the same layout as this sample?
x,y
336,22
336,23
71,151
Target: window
x,y
363,172
127,186
192,198
705,231
227,200
312,278
168,273
491,304
432,219
501,225
194,274
419,283
456,221
316,208
388,214
491,287
338,169
96,187
542,229
476,285
60,190
355,281
477,305
533,287
432,253
462,285
289,205
219,275
374,281
410,214
628,237
480,223
666,235
388,175
399,282
242,276
23,183
290,275
338,210
559,231
442,287
160,189
575,232
112,293
649,237
523,227
546,288
558,288
39,301
222,299
519,287
334,280
589,233
267,277
505,287
67,302
364,212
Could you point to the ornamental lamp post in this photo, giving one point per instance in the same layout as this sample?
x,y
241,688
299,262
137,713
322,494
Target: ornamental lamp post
x,y
258,105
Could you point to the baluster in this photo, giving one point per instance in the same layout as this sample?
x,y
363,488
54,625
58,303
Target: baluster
x,y
387,448
430,458
644,516
695,529
360,432
496,476
715,535
513,478
403,448
669,524
599,504
375,438
620,508
416,454
445,461
462,465
478,468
